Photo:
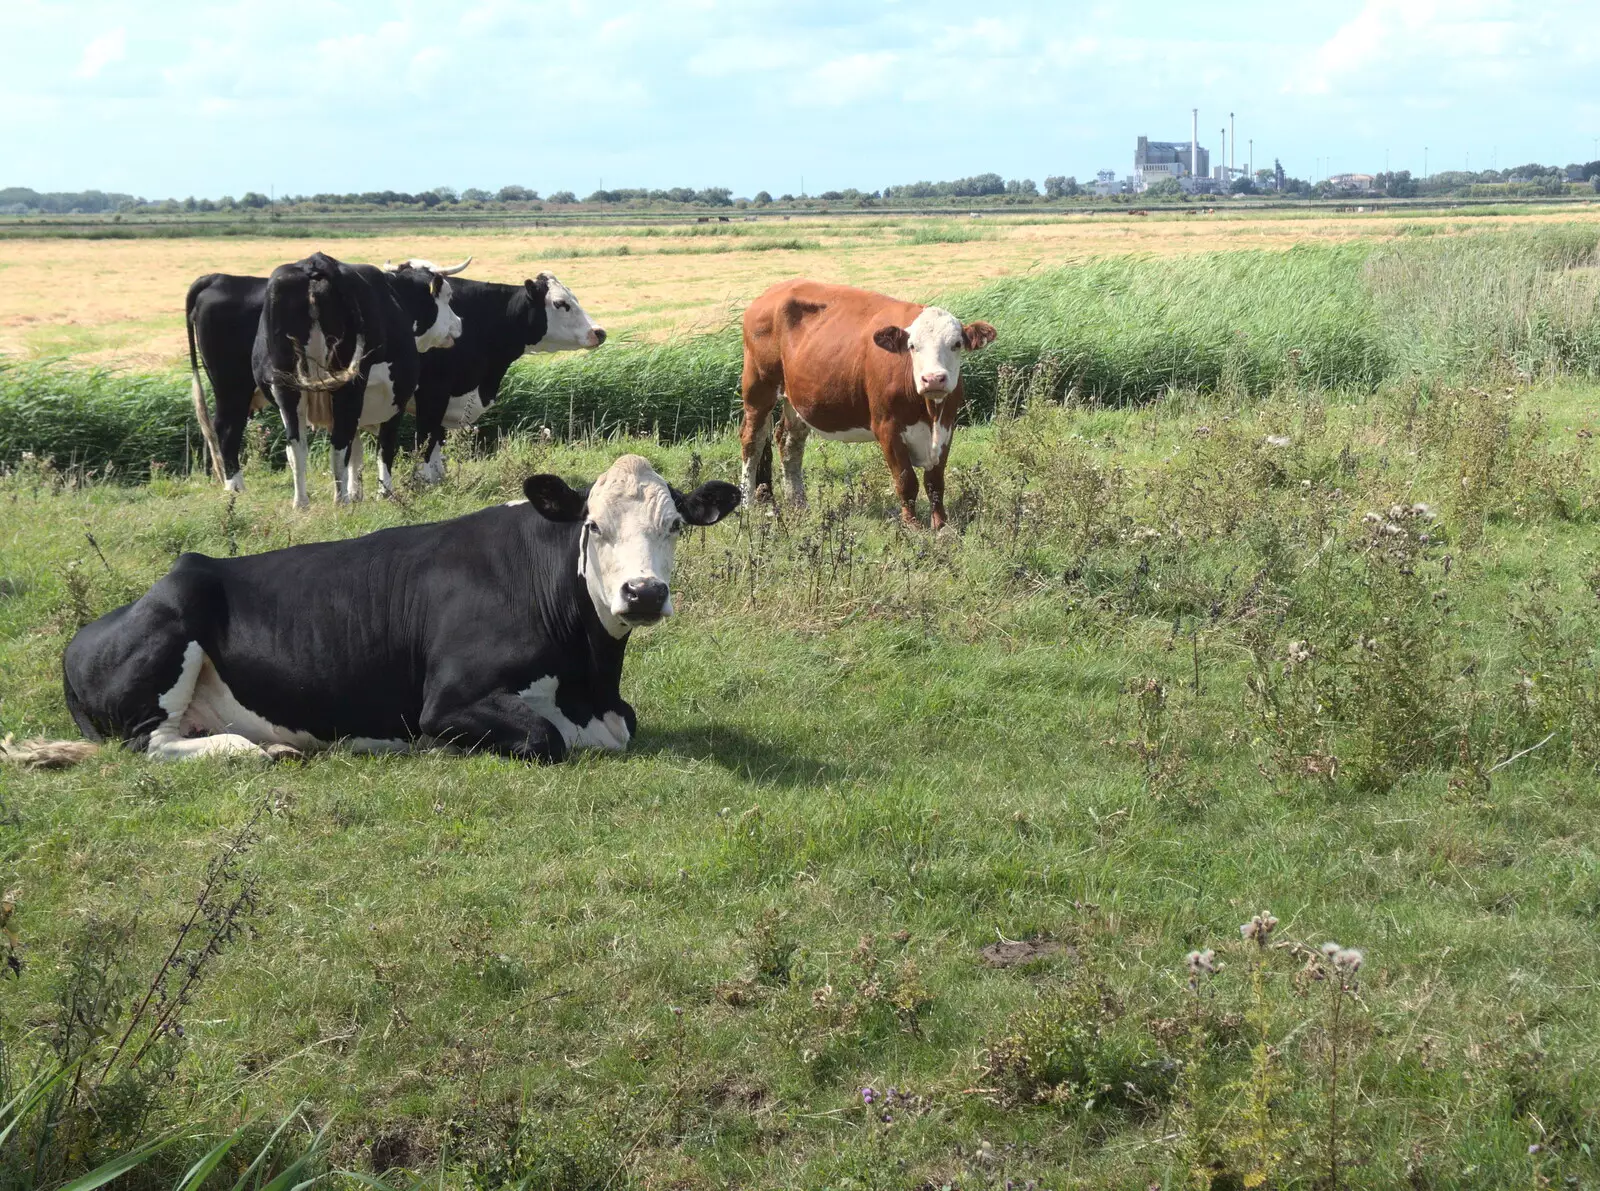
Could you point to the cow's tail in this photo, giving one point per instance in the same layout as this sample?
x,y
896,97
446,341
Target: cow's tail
x,y
202,414
341,318
39,753
45,754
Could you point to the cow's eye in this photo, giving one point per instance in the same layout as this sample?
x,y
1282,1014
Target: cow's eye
x,y
563,306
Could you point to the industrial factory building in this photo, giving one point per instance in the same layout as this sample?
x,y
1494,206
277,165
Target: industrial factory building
x,y
1155,160
1186,162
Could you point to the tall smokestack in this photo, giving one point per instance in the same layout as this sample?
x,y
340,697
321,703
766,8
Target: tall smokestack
x,y
1194,143
1233,139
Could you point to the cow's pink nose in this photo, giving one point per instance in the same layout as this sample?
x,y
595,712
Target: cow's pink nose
x,y
935,380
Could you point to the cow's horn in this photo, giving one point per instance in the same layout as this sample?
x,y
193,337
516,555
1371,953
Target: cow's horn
x,y
452,272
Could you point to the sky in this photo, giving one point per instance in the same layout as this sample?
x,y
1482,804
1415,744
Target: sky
x,y
303,96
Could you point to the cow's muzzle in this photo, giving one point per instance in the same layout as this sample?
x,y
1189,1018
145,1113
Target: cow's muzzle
x,y
644,601
597,336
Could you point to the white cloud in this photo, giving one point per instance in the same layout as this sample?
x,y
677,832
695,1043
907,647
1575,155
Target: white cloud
x,y
1431,45
849,79
102,52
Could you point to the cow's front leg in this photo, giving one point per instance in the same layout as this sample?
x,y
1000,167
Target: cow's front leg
x,y
759,395
622,723
933,481
294,429
610,728
500,723
900,467
353,469
346,426
388,448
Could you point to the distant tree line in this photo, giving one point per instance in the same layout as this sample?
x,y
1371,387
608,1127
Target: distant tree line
x,y
1530,180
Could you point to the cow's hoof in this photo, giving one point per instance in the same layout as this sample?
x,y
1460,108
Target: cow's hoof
x,y
300,504
282,752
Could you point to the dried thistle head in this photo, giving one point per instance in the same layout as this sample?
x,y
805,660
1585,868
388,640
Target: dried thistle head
x,y
1259,929
1200,963
1348,960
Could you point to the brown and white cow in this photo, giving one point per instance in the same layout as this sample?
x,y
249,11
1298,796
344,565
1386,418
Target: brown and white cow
x,y
854,366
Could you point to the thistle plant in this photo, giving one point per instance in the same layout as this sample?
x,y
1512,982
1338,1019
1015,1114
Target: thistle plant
x,y
1257,1146
1343,964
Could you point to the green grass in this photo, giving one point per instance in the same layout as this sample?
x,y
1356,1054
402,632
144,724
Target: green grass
x,y
1518,305
866,753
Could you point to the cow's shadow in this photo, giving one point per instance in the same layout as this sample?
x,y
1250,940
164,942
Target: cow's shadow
x,y
759,761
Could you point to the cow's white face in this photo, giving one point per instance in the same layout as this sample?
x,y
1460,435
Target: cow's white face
x,y
568,326
631,519
446,328
935,341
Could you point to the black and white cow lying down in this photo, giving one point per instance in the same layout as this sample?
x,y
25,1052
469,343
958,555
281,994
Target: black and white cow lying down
x,y
500,631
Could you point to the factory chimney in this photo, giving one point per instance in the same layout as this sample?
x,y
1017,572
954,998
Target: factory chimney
x,y
1233,139
1194,144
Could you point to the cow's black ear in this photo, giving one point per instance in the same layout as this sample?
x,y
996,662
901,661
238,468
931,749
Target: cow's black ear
x,y
552,497
707,504
892,339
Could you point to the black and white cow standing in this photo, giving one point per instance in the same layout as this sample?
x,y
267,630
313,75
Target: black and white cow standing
x,y
223,315
356,334
499,324
503,630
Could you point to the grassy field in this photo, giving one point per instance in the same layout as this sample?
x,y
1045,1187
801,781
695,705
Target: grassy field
x,y
121,301
1260,648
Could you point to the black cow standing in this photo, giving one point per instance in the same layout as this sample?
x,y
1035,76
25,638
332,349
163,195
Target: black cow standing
x,y
503,630
225,315
351,335
499,323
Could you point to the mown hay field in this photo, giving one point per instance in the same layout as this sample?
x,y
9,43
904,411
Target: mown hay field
x,y
121,301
